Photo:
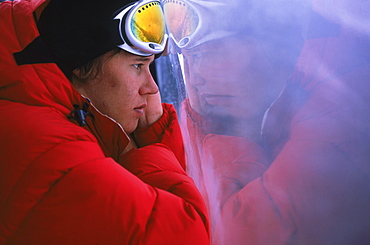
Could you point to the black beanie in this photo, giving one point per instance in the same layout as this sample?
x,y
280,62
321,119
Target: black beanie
x,y
77,31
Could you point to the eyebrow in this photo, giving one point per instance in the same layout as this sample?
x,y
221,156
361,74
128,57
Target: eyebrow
x,y
142,59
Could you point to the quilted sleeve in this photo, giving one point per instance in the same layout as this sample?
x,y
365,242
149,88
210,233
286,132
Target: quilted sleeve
x,y
166,130
100,202
178,204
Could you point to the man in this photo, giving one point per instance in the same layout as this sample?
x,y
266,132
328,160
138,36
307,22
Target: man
x,y
96,158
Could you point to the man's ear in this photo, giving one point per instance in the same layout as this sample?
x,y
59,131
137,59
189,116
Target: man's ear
x,y
77,82
76,73
75,78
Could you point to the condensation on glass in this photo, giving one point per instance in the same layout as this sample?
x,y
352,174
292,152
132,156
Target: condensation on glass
x,y
273,98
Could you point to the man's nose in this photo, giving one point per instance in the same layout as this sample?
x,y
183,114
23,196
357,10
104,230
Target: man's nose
x,y
149,86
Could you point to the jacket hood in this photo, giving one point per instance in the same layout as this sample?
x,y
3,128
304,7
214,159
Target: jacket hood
x,y
32,84
44,84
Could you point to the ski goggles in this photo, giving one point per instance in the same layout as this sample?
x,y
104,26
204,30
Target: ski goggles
x,y
140,28
191,23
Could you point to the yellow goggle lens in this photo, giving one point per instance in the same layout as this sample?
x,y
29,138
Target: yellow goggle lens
x,y
148,23
181,19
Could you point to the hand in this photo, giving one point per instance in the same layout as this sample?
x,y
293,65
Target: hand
x,y
152,112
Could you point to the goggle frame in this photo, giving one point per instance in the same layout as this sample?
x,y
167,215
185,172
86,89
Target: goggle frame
x,y
129,41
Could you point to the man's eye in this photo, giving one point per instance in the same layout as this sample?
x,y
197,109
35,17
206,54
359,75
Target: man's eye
x,y
138,66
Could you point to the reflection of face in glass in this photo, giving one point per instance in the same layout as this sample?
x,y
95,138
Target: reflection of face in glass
x,y
237,77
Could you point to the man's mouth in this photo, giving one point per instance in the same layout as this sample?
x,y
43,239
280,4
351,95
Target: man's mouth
x,y
140,109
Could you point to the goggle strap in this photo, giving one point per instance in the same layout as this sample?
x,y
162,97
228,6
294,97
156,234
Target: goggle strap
x,y
115,35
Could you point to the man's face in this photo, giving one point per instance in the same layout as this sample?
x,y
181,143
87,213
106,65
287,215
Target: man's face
x,y
121,88
233,77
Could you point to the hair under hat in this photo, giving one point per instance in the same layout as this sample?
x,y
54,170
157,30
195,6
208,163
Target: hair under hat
x,y
77,31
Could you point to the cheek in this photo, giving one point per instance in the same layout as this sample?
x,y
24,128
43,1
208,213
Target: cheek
x,y
123,98
114,98
113,84
122,86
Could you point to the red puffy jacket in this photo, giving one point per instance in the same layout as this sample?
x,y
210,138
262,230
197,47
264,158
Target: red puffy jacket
x,y
309,181
61,183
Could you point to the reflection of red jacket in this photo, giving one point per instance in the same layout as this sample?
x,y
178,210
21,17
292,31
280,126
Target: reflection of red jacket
x,y
310,182
65,184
